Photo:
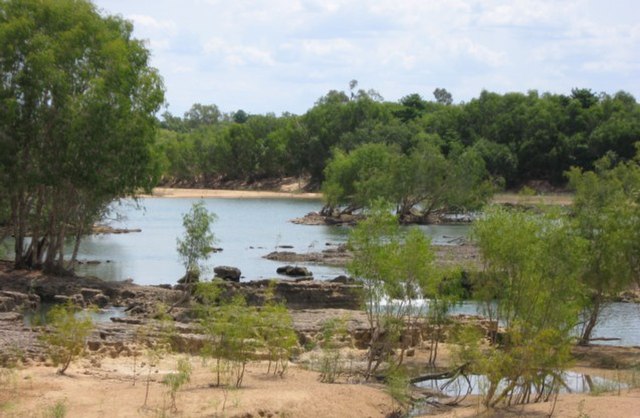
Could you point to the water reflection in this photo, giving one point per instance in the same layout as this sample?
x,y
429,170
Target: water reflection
x,y
477,384
246,229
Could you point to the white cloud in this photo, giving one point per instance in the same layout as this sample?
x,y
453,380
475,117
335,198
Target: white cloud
x,y
152,23
238,55
306,47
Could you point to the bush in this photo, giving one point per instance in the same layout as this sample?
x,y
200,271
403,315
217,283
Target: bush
x,y
66,334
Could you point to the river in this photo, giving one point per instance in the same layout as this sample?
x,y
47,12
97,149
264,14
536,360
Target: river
x,y
246,230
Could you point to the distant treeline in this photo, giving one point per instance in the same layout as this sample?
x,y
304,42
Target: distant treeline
x,y
519,137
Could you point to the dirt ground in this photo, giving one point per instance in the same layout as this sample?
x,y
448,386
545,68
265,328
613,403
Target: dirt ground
x,y
100,387
107,389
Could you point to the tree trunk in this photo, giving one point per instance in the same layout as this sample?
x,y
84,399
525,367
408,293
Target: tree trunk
x,y
594,314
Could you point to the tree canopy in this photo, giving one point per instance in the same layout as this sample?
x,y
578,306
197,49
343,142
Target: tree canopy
x,y
519,136
77,120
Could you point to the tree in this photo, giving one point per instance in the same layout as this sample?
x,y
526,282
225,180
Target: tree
x,y
232,331
443,96
240,116
530,285
201,115
395,271
77,121
606,215
196,245
418,184
356,180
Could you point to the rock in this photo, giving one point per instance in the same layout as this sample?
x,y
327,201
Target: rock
x,y
100,300
89,294
294,271
228,273
78,300
7,304
10,316
343,279
163,286
190,277
60,299
11,300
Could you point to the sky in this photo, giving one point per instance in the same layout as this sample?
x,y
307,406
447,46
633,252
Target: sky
x,y
283,55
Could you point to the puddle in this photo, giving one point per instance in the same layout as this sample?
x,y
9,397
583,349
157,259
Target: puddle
x,y
39,316
575,383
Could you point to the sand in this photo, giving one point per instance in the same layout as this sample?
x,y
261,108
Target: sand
x,y
100,387
165,192
108,390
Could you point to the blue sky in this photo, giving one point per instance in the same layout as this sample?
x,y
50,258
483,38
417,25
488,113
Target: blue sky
x,y
282,55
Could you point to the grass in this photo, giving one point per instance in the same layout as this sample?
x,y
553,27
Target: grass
x,y
57,410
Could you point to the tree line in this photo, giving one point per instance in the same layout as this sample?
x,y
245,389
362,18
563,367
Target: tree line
x,y
518,136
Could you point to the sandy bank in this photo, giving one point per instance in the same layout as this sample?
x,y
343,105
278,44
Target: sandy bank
x,y
166,192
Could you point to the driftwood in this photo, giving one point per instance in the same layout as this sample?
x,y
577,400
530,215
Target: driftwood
x,y
438,376
605,339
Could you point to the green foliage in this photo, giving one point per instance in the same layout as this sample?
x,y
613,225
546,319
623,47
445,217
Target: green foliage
x,y
397,385
196,244
77,121
395,270
331,363
232,331
58,410
533,263
605,214
422,181
66,334
237,333
275,329
519,137
178,379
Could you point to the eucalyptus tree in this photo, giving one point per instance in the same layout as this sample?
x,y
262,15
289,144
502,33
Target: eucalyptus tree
x,y
196,245
531,286
78,100
606,215
396,270
422,182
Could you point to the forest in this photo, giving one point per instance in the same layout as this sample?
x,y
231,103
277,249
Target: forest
x,y
424,156
516,137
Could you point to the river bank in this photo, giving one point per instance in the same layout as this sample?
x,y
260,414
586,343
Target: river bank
x,y
165,192
33,388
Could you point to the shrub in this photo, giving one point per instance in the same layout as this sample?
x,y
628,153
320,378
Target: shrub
x,y
66,334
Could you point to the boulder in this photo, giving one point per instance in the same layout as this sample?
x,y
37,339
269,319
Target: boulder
x,y
100,300
343,279
228,273
89,294
294,271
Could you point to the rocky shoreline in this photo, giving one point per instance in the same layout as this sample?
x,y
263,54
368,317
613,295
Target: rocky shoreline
x,y
465,255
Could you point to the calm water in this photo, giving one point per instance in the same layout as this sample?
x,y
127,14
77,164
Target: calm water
x,y
478,384
246,229
618,320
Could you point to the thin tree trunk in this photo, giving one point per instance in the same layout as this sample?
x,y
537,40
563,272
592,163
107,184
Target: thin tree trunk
x,y
594,314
